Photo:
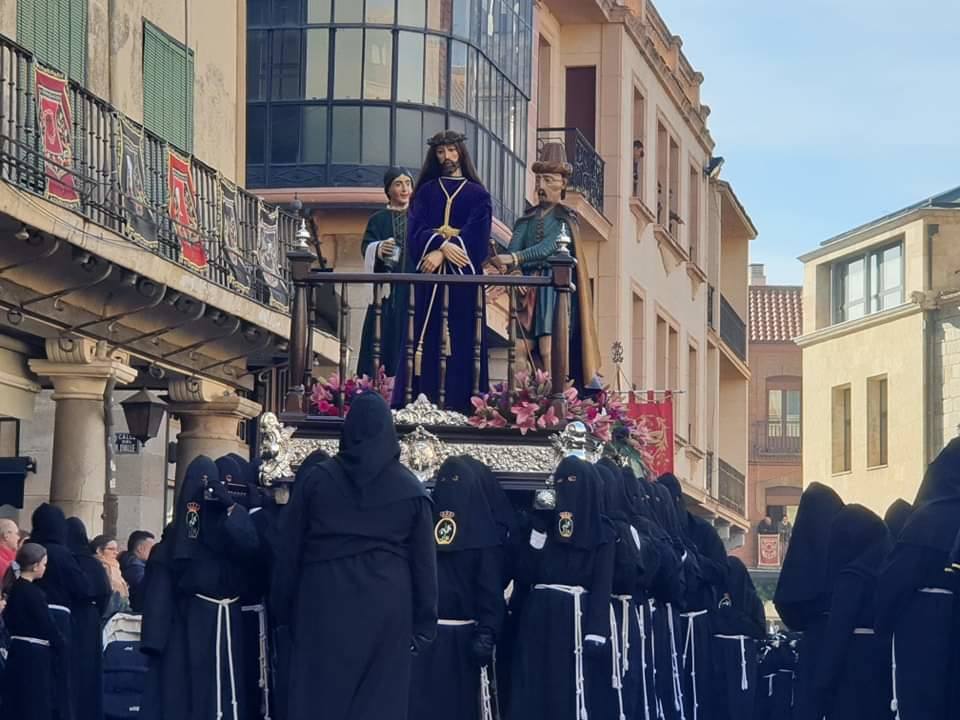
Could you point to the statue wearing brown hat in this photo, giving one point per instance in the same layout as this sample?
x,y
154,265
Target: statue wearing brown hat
x,y
535,239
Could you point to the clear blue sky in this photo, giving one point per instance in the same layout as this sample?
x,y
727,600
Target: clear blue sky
x,y
829,113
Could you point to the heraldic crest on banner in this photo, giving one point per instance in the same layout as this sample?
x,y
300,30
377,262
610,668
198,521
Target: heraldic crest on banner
x,y
183,210
268,256
139,218
55,121
240,270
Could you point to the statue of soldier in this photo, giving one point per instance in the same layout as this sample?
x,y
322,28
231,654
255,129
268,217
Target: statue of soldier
x,y
535,238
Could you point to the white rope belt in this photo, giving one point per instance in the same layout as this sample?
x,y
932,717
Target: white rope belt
x,y
744,684
31,640
456,623
486,705
653,655
675,666
643,660
769,678
223,611
864,631
616,679
936,591
624,632
577,592
264,660
894,703
60,608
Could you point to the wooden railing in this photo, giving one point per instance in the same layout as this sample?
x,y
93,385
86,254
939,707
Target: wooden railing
x,y
733,487
776,438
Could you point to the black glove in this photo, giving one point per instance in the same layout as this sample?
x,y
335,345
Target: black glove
x,y
595,648
217,492
418,643
483,648
540,521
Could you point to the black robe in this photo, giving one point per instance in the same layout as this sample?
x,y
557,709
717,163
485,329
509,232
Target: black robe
x,y
87,639
358,574
573,548
28,687
66,587
446,675
896,517
739,624
853,674
803,595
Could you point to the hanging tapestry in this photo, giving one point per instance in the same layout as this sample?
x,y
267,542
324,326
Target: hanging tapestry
x,y
139,220
55,120
230,237
656,418
268,255
183,211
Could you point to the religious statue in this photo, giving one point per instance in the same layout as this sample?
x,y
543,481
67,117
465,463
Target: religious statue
x,y
384,249
448,232
536,237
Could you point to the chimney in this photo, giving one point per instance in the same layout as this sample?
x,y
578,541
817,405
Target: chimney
x,y
757,275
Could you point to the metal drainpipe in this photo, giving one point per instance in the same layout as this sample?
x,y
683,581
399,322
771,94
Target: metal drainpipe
x,y
110,503
929,347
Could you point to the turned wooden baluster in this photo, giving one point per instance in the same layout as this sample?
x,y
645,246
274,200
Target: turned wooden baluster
x,y
377,327
411,341
445,345
299,350
344,335
562,268
477,339
511,335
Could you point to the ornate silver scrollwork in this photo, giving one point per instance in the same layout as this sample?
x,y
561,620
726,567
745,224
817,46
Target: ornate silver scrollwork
x,y
276,444
423,412
422,452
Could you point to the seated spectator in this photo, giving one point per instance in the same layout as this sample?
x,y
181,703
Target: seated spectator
x,y
133,564
9,543
766,527
106,550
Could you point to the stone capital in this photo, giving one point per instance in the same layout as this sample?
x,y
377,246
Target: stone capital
x,y
199,397
85,380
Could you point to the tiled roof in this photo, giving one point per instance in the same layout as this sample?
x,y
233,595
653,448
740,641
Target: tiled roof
x,y
776,313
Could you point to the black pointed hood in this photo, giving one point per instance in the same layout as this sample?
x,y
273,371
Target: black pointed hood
x,y
859,541
370,454
802,593
616,502
77,540
942,479
461,515
504,514
49,525
193,513
896,516
935,519
578,517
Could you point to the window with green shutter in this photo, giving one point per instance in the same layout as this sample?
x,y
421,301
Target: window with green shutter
x,y
56,32
167,88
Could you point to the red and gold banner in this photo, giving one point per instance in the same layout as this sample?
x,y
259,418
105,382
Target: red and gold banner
x,y
183,211
655,417
768,551
55,120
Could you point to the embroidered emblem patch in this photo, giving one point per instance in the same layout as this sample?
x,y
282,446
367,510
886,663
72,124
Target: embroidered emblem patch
x,y
193,520
446,528
565,525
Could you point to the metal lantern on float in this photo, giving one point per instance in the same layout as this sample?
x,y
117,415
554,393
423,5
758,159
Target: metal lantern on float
x,y
144,413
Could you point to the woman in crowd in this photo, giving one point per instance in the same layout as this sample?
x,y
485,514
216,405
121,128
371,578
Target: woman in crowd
x,y
106,550
27,690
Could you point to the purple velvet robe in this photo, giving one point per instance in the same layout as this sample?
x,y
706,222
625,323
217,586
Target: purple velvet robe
x,y
471,213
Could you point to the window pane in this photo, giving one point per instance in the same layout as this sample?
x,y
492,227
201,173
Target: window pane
x,y
315,134
346,135
439,14
410,71
347,64
411,12
854,289
376,134
458,78
380,11
458,124
472,83
285,84
258,12
410,152
284,133
433,123
349,11
286,12
461,18
892,266
774,405
318,64
378,65
256,133
435,88
318,11
257,63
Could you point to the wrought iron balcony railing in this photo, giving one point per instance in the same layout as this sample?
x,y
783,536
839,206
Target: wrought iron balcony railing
x,y
90,163
776,438
711,311
733,487
733,330
588,166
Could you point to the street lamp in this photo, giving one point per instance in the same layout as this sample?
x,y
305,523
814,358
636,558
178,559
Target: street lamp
x,y
144,412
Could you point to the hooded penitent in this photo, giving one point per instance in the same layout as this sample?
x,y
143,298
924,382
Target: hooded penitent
x,y
578,520
193,514
896,517
462,517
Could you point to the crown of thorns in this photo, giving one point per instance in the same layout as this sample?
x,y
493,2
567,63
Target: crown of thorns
x,y
447,137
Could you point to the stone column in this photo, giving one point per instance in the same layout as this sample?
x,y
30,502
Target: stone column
x,y
80,370
210,414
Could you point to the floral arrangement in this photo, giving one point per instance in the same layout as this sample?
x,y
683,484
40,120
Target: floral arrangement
x,y
529,406
326,394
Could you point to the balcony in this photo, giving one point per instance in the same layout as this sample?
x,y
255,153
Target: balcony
x,y
588,166
733,330
732,491
241,248
776,439
711,311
